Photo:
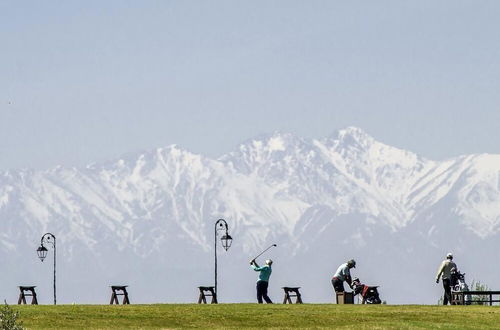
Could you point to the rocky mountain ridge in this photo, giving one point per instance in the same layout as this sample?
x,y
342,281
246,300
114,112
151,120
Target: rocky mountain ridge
x,y
345,195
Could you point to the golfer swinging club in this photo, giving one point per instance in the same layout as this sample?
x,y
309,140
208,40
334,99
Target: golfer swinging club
x,y
263,282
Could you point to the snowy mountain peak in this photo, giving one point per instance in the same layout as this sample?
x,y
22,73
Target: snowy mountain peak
x,y
269,143
347,193
352,133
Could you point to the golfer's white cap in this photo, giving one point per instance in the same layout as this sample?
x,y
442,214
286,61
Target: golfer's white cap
x,y
269,262
449,256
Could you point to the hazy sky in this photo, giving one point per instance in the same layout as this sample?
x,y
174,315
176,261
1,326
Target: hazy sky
x,y
84,81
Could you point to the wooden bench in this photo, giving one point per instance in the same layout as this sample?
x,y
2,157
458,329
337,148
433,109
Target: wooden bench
x,y
292,292
31,293
207,291
115,293
458,298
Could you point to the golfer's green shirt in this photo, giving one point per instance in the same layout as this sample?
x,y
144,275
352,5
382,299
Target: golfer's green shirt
x,y
265,272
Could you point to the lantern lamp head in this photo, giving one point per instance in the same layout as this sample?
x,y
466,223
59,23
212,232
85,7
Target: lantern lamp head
x,y
42,252
226,240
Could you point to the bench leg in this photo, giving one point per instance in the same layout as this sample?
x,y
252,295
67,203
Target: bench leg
x,y
34,301
114,299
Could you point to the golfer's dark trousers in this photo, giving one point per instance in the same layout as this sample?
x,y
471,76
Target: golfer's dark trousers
x,y
262,292
447,291
338,285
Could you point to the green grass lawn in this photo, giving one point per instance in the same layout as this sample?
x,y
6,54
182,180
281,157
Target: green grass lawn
x,y
163,316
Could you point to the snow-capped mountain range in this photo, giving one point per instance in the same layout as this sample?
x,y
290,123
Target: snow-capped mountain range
x,y
147,220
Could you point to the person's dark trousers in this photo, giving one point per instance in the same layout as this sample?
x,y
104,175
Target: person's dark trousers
x,y
338,285
447,291
262,292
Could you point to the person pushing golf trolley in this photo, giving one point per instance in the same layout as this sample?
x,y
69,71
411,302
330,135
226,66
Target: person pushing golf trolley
x,y
265,273
444,271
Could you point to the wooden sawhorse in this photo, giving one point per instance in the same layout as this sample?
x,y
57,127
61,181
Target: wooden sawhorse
x,y
115,294
22,295
292,292
210,293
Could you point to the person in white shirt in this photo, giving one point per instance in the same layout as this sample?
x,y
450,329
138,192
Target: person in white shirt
x,y
445,271
342,274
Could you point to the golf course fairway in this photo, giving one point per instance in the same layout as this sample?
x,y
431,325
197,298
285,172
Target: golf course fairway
x,y
233,316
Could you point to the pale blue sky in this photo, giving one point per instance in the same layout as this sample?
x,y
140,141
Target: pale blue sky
x,y
84,81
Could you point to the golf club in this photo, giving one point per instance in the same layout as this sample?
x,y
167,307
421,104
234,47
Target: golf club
x,y
264,251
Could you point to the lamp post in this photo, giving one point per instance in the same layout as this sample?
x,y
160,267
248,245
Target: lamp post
x,y
226,241
48,238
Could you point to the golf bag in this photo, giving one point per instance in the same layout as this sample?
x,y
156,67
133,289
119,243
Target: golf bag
x,y
458,284
367,294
